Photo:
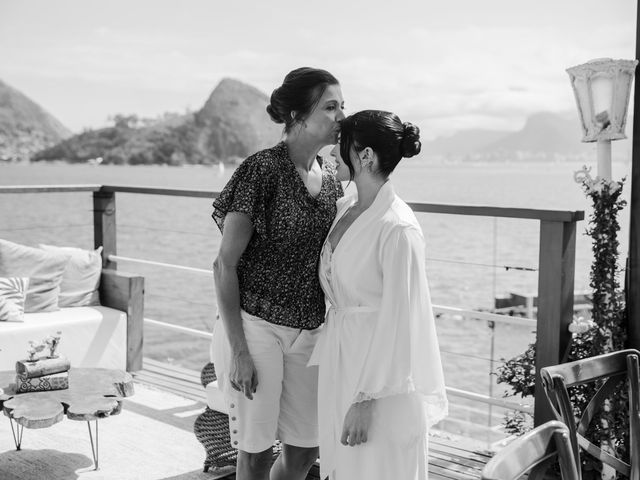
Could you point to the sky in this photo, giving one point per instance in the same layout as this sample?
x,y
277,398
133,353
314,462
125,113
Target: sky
x,y
445,65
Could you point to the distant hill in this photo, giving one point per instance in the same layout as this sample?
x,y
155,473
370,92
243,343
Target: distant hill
x,y
25,127
543,132
544,136
231,125
234,123
463,142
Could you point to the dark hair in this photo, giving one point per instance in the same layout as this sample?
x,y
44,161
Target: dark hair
x,y
300,92
384,133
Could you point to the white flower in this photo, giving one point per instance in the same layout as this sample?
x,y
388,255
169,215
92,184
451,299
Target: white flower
x,y
581,325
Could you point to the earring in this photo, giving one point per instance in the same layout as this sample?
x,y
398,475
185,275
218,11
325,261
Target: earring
x,y
365,162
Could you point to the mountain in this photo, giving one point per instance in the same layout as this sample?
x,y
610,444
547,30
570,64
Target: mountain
x,y
25,127
463,142
234,123
544,136
543,132
231,125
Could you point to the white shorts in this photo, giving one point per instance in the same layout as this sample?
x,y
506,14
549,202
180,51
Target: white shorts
x,y
285,405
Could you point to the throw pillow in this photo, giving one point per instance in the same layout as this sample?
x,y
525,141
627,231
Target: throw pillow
x,y
43,268
13,292
81,277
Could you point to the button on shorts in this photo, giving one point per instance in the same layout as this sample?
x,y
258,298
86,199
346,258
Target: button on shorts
x,y
285,405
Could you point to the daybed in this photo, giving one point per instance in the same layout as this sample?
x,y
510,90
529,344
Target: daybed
x,y
106,336
47,289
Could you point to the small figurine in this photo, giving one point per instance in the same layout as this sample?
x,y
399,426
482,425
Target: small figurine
x,y
33,349
52,342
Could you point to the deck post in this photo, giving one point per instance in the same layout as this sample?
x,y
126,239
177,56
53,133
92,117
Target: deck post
x,y
125,292
632,284
555,303
104,225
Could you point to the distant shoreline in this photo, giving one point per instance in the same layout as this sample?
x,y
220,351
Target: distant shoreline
x,y
422,161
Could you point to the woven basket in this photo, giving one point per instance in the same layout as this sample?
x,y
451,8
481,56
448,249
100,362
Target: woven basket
x,y
212,430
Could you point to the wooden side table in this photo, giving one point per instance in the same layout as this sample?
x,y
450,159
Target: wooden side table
x,y
93,393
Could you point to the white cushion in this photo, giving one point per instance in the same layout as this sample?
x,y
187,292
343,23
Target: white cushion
x,y
44,270
13,292
81,276
91,336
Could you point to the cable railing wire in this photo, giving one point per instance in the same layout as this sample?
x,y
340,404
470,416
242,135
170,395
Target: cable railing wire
x,y
433,259
40,227
157,229
183,300
476,264
465,355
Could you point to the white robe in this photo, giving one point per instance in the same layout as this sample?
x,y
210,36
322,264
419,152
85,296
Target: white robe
x,y
379,342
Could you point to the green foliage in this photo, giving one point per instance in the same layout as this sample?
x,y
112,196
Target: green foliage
x,y
87,145
610,426
608,304
520,374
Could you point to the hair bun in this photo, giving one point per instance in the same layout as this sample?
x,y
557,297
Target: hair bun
x,y
272,108
274,115
410,145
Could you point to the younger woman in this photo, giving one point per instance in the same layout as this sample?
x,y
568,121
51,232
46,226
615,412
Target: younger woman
x,y
380,382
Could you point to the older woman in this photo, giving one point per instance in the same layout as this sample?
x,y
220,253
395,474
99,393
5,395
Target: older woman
x,y
380,383
274,214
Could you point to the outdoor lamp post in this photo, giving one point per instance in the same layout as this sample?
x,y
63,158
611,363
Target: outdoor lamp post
x,y
602,88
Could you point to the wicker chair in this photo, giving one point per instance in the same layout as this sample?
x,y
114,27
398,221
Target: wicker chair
x,y
212,431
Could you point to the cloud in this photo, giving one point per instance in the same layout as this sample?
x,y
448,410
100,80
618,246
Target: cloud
x,y
440,67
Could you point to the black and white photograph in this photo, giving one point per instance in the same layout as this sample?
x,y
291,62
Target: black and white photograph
x,y
337,240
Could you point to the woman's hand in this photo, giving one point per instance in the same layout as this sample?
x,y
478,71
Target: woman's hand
x,y
356,423
243,376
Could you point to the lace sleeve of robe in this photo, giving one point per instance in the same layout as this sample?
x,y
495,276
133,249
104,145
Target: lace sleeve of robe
x,y
404,355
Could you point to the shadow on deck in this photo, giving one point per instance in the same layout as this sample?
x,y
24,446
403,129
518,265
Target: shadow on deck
x,y
153,439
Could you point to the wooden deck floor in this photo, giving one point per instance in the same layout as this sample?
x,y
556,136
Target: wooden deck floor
x,y
449,459
152,439
446,462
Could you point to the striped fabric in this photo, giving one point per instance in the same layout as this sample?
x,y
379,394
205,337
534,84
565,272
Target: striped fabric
x,y
13,291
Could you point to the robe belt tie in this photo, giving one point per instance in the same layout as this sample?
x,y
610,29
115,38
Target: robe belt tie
x,y
350,310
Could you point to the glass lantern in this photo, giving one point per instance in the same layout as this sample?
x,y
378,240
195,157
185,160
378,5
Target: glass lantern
x,y
602,88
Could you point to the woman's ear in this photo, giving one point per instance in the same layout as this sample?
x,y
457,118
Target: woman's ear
x,y
366,157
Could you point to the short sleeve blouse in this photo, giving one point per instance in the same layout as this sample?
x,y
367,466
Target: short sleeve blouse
x,y
278,271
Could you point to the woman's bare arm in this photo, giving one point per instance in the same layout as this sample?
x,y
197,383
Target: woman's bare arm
x,y
236,235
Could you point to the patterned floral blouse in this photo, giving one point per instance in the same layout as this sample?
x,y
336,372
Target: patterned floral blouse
x,y
278,271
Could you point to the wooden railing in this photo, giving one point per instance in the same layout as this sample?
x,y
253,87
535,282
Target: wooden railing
x,y
556,259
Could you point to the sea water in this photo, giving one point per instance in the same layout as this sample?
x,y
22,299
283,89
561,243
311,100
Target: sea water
x,y
470,260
